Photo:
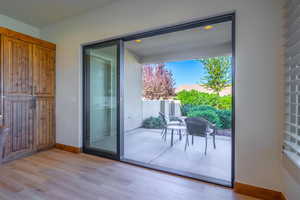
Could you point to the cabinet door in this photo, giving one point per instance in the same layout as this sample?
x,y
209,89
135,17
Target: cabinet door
x,y
43,71
45,125
17,66
18,116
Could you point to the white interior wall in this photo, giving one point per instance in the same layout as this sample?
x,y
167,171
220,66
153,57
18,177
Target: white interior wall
x,y
18,26
259,56
290,179
133,92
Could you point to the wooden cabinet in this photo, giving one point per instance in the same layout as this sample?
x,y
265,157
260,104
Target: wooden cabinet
x,y
19,117
44,127
27,93
43,71
17,66
44,90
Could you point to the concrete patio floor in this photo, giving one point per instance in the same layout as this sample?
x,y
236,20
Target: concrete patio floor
x,y
146,145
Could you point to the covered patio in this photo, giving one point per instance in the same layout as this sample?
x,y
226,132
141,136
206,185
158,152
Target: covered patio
x,y
147,146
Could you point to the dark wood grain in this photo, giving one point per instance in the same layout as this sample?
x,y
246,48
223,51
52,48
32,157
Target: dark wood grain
x,y
17,67
43,71
44,92
28,90
45,124
18,116
26,38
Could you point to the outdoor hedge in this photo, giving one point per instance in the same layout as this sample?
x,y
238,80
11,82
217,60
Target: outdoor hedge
x,y
153,123
225,118
194,97
185,109
222,118
209,115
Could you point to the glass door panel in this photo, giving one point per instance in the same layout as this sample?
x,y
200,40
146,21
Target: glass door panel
x,y
101,98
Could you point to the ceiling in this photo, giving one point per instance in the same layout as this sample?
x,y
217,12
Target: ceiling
x,y
188,44
41,13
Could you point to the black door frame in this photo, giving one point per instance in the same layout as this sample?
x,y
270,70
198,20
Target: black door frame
x,y
120,76
86,101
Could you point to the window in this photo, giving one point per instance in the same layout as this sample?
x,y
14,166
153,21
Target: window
x,y
292,76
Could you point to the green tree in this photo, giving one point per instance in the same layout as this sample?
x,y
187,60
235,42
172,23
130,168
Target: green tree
x,y
217,73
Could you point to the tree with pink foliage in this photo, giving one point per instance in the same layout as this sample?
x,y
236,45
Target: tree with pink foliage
x,y
158,82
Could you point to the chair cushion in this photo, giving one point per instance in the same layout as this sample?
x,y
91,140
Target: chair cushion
x,y
174,123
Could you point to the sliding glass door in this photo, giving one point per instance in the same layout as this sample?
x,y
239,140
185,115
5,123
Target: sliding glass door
x,y
102,99
150,88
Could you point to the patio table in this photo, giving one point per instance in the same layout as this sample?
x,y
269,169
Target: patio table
x,y
178,128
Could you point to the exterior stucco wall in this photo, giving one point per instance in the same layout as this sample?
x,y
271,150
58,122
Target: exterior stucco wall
x,y
133,92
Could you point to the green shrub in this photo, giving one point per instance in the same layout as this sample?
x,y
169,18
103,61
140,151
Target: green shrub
x,y
214,108
209,115
153,122
225,118
194,97
224,102
203,108
185,109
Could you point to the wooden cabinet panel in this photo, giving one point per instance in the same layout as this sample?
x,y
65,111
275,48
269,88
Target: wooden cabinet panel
x,y
17,66
18,116
28,82
43,71
45,125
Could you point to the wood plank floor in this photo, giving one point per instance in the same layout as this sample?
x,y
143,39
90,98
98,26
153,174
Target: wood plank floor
x,y
56,175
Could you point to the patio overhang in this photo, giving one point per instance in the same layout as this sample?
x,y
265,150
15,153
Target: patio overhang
x,y
183,45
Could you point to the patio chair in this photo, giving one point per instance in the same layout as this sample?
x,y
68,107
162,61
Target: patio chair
x,y
168,122
173,120
197,126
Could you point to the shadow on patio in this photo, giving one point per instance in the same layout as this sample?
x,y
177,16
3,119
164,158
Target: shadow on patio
x,y
146,145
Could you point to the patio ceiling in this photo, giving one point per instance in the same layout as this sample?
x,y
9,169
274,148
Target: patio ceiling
x,y
184,45
40,13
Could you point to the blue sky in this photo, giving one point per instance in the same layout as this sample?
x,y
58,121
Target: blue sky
x,y
186,72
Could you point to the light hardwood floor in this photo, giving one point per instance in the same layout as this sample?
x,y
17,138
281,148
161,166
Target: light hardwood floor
x,y
57,174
